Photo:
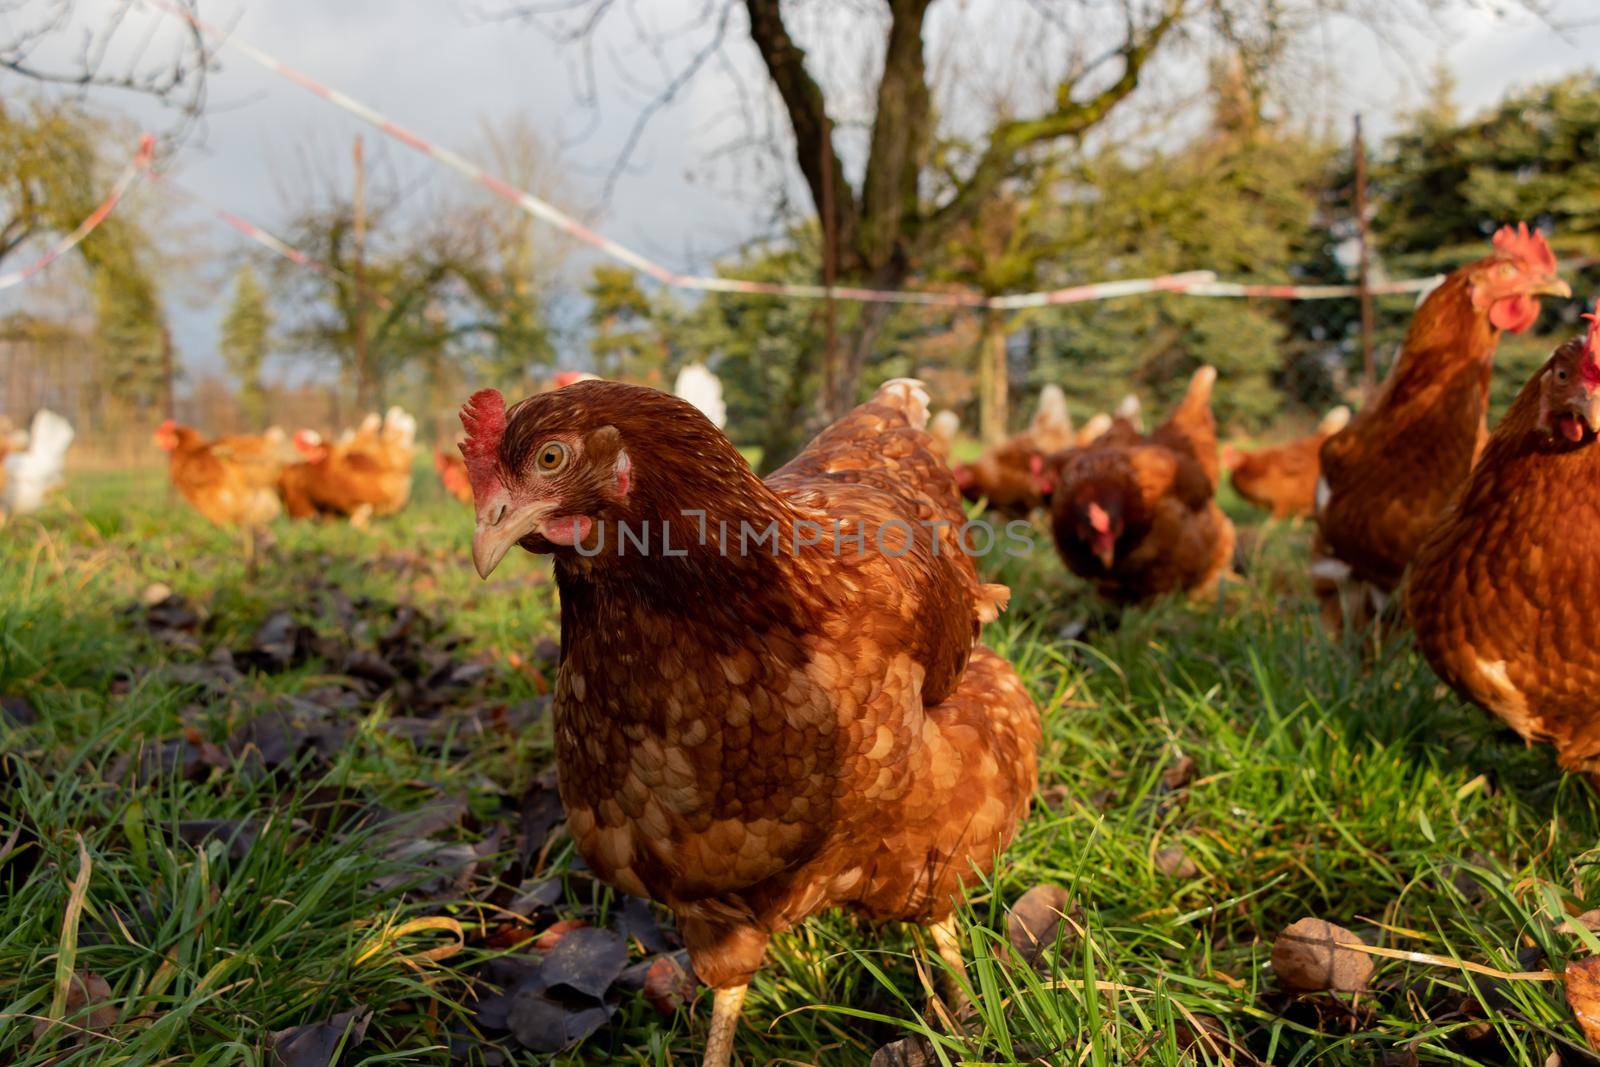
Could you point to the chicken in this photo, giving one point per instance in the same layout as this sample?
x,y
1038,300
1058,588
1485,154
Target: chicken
x,y
1129,410
1283,478
453,474
1388,476
778,704
1093,430
1013,477
365,473
232,480
36,464
943,428
696,384
1498,594
1136,515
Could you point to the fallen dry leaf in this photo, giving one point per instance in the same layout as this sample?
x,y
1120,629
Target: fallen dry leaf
x,y
1309,957
1582,980
1038,920
314,1044
1174,862
667,986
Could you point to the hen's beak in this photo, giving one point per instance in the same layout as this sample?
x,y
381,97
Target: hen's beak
x,y
1553,286
1589,412
500,526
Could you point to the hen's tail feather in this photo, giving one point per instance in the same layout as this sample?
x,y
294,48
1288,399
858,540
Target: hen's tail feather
x,y
1334,421
991,600
907,395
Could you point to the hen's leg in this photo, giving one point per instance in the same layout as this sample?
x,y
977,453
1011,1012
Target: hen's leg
x,y
947,940
725,1007
724,957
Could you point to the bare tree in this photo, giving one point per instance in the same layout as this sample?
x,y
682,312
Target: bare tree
x,y
924,166
107,44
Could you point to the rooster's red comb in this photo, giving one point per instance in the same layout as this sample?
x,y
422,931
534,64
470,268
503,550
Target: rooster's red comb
x,y
1526,247
1589,363
484,417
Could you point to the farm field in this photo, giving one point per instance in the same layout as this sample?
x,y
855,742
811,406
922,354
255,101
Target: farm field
x,y
318,804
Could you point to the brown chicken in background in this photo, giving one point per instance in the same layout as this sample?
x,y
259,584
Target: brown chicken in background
x,y
1502,593
453,473
367,472
1388,476
232,480
752,731
1012,476
1136,515
1283,478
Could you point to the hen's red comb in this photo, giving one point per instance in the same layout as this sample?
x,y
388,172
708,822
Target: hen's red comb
x,y
484,417
1525,247
1589,363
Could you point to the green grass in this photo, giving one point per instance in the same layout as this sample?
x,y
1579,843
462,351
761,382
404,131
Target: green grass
x,y
1329,781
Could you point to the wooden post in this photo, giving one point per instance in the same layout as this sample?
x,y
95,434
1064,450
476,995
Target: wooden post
x,y
364,389
1368,370
831,385
992,384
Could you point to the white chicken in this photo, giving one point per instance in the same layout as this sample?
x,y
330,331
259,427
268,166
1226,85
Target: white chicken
x,y
700,387
32,472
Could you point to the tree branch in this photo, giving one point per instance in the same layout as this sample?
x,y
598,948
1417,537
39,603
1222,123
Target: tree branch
x,y
1001,158
808,116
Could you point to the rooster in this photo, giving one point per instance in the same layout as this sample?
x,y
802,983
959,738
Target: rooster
x,y
1498,593
1283,478
34,464
1012,477
1136,515
1388,475
754,731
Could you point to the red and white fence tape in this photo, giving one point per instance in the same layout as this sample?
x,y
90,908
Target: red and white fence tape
x,y
548,212
1193,283
130,174
267,240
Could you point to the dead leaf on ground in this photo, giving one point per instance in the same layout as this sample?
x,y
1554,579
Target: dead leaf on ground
x,y
914,1051
1179,773
1038,920
1582,979
571,996
314,1044
1174,862
86,990
1309,956
17,711
667,985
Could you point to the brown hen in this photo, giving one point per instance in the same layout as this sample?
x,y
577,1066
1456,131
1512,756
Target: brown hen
x,y
777,703
366,472
231,480
1283,478
1499,594
1388,476
1135,515
1013,476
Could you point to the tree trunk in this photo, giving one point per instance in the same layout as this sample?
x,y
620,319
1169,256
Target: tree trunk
x,y
992,383
843,367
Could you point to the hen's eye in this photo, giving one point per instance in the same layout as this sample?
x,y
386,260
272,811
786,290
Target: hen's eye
x,y
551,457
1561,375
1507,270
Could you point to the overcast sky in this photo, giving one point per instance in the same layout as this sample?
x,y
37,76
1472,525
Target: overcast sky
x,y
440,68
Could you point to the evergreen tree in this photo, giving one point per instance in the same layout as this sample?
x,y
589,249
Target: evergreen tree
x,y
245,341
